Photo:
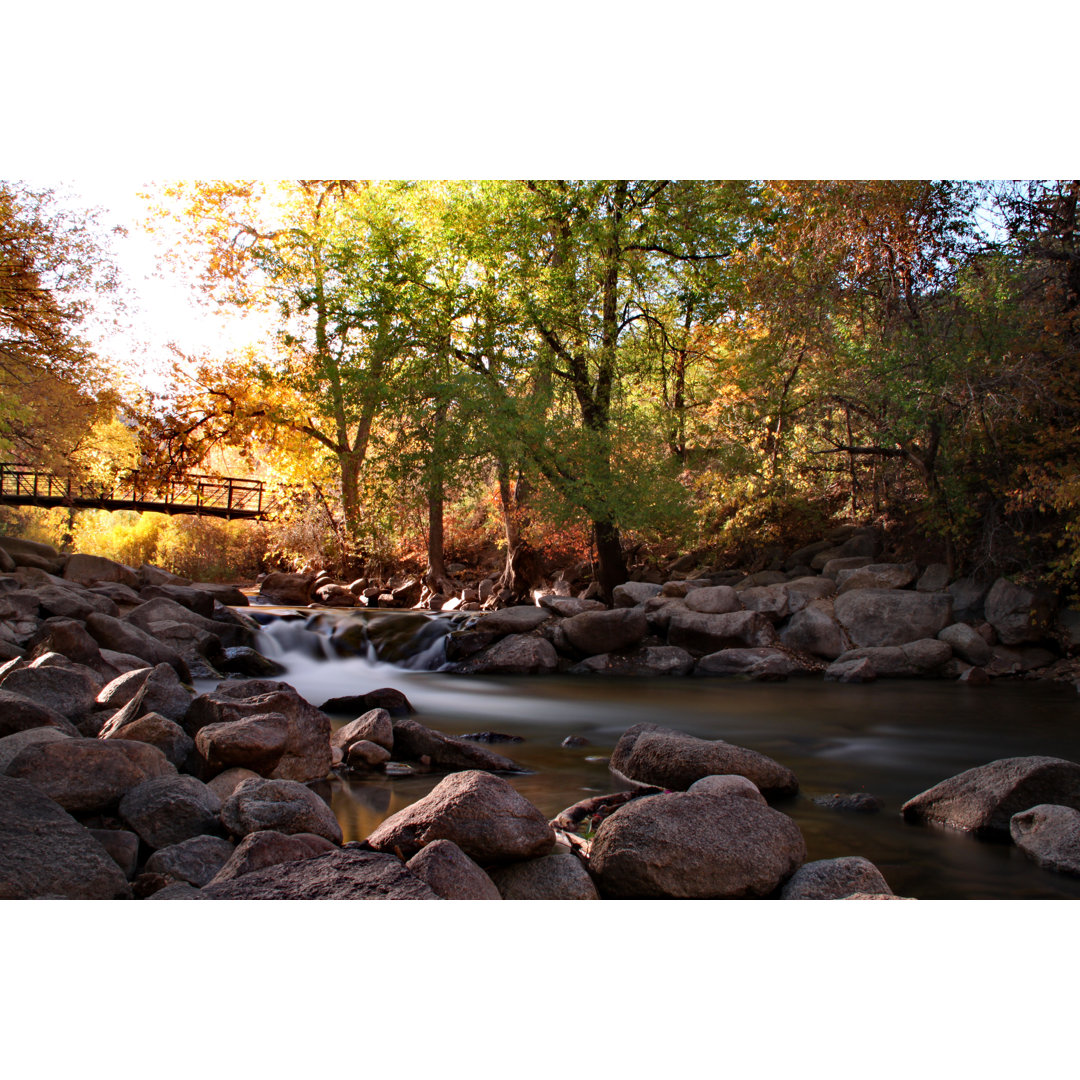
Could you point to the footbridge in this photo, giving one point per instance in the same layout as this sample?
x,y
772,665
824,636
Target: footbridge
x,y
207,496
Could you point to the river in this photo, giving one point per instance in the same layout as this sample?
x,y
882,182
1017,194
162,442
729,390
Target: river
x,y
892,739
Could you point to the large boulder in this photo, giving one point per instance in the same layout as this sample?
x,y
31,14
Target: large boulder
x,y
650,661
306,751
197,600
88,569
413,741
170,809
69,604
833,879
195,860
1018,613
814,630
449,872
69,638
712,600
687,846
479,812
254,742
374,726
925,658
12,745
87,776
703,634
967,643
983,799
287,589
876,617
125,637
46,854
1050,835
156,690
595,632
760,664
19,713
551,877
268,847
512,620
157,730
877,576
653,755
518,654
969,599
348,874
632,593
166,620
282,805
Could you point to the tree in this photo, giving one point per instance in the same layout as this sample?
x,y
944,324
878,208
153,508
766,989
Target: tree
x,y
53,388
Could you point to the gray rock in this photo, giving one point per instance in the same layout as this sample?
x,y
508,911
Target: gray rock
x,y
1019,614
149,574
171,809
567,606
704,634
12,745
861,802
306,753
178,890
983,799
518,654
935,578
833,879
69,604
117,693
125,637
282,805
413,741
967,643
877,576
161,692
243,660
88,569
968,596
648,754
833,567
366,755
651,661
46,854
373,726
224,784
513,620
122,846
727,784
814,630
196,600
157,730
255,742
195,860
595,632
1050,835
632,593
349,874
87,776
267,847
762,664
917,659
450,873
287,589
694,847
878,617
550,877
713,600
67,637
479,812
19,713
860,670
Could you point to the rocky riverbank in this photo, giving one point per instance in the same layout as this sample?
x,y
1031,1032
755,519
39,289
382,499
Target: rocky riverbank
x,y
118,780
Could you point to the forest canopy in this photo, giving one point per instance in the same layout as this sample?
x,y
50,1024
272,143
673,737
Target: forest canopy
x,y
535,373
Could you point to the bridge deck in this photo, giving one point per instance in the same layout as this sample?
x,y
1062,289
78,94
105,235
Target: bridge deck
x,y
207,496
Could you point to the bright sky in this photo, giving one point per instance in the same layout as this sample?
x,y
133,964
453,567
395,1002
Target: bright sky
x,y
163,305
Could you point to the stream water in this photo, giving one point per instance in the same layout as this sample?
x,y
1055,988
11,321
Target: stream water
x,y
892,739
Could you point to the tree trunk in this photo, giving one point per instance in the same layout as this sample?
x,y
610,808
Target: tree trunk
x,y
612,566
350,494
436,575
522,570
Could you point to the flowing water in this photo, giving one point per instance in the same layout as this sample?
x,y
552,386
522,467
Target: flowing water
x,y
891,739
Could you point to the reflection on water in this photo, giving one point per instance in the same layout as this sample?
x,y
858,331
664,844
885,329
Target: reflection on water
x,y
890,739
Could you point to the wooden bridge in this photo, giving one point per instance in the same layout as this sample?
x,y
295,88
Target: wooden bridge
x,y
208,496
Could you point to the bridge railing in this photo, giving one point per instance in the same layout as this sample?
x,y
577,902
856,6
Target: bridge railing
x,y
196,492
